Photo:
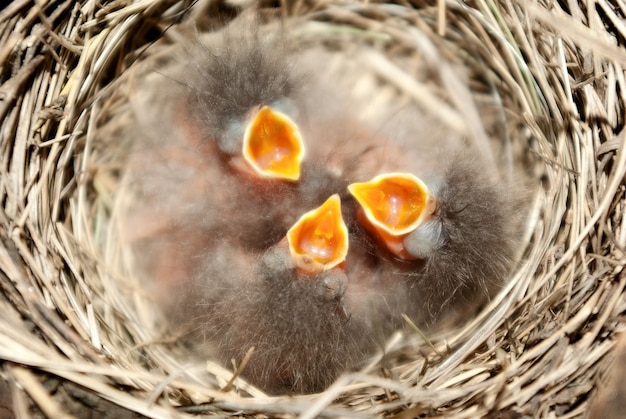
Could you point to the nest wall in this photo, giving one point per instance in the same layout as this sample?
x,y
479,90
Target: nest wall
x,y
70,339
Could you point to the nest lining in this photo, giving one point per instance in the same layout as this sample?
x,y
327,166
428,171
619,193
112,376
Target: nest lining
x,y
538,348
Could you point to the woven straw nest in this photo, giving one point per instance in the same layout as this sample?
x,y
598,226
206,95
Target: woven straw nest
x,y
70,341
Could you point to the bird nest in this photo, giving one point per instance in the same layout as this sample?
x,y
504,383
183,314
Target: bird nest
x,y
72,338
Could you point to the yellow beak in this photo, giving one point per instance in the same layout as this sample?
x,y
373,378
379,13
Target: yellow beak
x,y
273,146
318,241
394,204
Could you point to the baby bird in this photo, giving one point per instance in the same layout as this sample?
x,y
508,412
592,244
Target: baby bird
x,y
286,305
450,240
244,115
271,215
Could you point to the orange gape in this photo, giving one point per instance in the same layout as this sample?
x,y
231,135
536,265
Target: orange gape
x,y
273,146
394,205
318,241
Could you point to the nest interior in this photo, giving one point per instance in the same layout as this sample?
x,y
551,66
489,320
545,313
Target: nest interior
x,y
70,340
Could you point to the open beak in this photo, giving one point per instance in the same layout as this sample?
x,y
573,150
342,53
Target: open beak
x,y
394,205
318,241
273,146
